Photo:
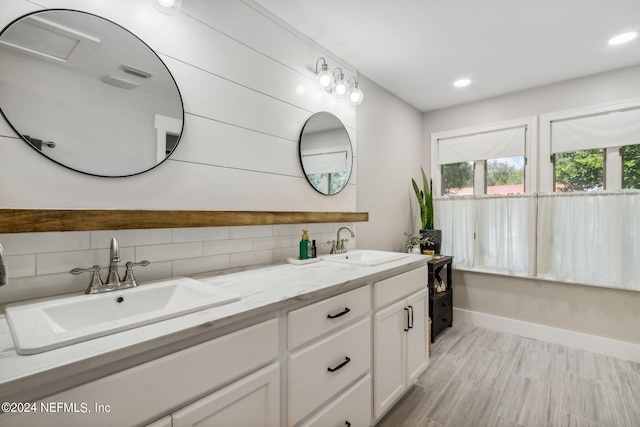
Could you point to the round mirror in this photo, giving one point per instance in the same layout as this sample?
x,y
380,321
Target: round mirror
x,y
325,153
87,93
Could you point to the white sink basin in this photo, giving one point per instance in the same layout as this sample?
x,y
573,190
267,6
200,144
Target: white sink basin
x,y
364,257
47,324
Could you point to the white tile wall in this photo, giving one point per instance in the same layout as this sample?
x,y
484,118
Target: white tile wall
x,y
39,263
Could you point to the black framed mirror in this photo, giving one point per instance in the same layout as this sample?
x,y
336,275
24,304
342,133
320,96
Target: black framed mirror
x,y
87,93
325,153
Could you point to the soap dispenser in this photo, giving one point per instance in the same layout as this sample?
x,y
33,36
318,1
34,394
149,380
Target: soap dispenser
x,y
304,245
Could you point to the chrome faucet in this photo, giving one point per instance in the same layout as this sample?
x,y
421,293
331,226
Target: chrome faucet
x,y
338,246
113,280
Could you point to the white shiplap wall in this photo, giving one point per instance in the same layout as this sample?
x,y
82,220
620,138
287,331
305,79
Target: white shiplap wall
x,y
248,86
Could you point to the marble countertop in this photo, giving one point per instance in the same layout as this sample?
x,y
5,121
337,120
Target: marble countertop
x,y
263,289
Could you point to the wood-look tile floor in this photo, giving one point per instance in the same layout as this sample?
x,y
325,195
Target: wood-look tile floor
x,y
479,377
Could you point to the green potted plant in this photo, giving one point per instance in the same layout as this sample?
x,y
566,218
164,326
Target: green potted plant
x,y
425,200
414,242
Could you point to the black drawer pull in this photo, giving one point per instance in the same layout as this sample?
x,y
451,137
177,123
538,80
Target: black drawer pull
x,y
342,313
411,324
346,360
407,328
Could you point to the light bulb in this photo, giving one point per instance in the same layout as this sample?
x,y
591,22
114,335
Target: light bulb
x,y
623,38
356,96
341,88
168,7
462,83
325,78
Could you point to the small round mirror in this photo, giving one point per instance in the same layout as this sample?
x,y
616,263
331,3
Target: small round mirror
x,y
325,153
87,93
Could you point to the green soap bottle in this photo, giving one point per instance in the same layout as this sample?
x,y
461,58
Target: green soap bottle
x,y
304,245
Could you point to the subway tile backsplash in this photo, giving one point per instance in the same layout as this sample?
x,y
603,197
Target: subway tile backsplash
x,y
39,263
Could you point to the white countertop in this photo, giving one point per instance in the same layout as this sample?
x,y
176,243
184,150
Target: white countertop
x,y
263,289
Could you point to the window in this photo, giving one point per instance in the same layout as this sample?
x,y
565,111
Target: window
x,y
457,179
631,166
328,183
581,170
505,175
489,229
486,159
586,148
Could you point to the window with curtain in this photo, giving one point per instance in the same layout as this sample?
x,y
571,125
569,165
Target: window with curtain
x,y
489,233
590,238
482,232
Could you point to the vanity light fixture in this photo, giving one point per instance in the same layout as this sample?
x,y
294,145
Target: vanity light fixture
x,y
623,38
324,76
168,7
462,83
355,96
336,84
341,87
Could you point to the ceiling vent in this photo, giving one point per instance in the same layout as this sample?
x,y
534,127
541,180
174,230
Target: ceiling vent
x,y
136,72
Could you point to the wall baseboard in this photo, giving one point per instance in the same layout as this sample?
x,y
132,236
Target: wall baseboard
x,y
595,344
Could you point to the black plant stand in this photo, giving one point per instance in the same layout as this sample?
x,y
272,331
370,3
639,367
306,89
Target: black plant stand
x,y
440,303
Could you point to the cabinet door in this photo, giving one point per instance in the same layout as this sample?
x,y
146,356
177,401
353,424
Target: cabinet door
x,y
389,356
351,408
417,341
250,402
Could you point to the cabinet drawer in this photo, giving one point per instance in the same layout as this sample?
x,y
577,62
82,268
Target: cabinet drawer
x,y
323,369
442,303
353,407
441,321
307,323
400,286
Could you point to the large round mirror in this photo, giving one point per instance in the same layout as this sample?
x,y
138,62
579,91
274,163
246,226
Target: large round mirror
x,y
325,153
87,93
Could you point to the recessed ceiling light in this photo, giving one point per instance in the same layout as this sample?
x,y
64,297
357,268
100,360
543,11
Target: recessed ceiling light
x,y
462,83
623,38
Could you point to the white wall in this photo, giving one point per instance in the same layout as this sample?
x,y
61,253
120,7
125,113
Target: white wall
x,y
596,311
389,153
248,86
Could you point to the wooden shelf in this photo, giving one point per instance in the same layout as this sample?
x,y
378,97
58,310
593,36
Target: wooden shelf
x,y
40,220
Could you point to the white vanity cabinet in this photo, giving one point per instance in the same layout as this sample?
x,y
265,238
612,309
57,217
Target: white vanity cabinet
x,y
400,336
325,362
254,401
150,390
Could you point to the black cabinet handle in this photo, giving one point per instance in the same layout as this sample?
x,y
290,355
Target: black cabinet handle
x,y
407,328
346,360
342,313
411,324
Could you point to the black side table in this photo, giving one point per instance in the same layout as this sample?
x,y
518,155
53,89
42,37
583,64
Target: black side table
x,y
440,303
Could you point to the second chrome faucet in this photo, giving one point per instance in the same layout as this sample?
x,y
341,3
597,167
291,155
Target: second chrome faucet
x,y
337,246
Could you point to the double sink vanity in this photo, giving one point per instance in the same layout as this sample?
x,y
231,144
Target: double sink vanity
x,y
336,342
